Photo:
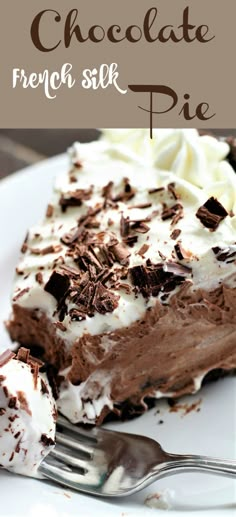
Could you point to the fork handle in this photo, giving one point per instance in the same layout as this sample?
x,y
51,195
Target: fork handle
x,y
192,463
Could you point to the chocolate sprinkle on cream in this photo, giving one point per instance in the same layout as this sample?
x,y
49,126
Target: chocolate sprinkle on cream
x,y
53,248
139,227
21,293
23,402
59,325
49,212
144,248
156,190
141,206
175,234
5,357
149,280
47,441
171,189
179,251
24,246
23,355
174,212
124,226
121,253
57,285
39,278
75,198
127,194
227,255
12,403
211,214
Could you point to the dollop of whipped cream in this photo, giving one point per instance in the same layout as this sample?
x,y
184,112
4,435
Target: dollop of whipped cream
x,y
200,160
27,415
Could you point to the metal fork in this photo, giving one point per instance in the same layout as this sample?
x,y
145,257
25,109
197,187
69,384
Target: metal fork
x,y
113,464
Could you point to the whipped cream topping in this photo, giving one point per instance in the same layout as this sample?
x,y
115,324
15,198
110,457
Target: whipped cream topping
x,y
27,418
130,154
198,169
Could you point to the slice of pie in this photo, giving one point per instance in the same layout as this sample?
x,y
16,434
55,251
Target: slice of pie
x,y
128,286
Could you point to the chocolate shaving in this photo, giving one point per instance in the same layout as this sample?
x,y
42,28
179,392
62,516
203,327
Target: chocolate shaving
x,y
127,194
12,418
121,253
104,300
21,293
227,255
47,441
72,178
23,355
12,403
179,251
174,212
211,214
5,357
44,388
131,240
57,285
2,379
2,411
175,234
73,236
59,325
5,391
24,246
83,220
49,212
140,205
152,279
144,248
19,271
75,198
124,226
39,278
23,402
17,447
156,190
77,315
177,269
93,297
54,248
52,378
11,457
139,227
124,286
85,257
161,255
107,192
35,373
171,189
71,271
78,164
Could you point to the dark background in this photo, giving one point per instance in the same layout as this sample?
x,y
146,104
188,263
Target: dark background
x,y
22,147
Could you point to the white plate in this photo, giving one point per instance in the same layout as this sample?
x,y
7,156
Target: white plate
x,y
23,198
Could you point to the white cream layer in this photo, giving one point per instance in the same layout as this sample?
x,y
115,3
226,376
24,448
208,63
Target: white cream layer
x,y
22,426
